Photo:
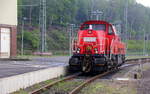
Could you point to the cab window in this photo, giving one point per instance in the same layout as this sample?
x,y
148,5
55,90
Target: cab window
x,y
95,27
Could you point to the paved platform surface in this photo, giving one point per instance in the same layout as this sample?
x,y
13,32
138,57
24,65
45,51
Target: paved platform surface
x,y
10,68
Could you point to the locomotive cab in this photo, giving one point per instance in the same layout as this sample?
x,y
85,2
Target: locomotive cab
x,y
89,40
96,47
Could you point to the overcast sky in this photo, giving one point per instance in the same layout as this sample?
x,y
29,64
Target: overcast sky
x,y
144,2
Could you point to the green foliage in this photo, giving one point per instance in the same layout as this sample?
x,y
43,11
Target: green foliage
x,y
66,11
57,40
138,44
31,40
137,47
135,44
62,12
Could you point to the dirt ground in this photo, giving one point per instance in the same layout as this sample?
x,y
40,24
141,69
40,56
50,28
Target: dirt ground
x,y
143,85
110,84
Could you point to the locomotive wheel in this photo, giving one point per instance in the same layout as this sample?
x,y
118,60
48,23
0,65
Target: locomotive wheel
x,y
119,59
123,58
87,65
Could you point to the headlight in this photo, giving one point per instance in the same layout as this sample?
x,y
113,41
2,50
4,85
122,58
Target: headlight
x,y
96,50
78,50
90,32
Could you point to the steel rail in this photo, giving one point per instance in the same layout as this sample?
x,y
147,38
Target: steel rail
x,y
38,91
77,89
137,61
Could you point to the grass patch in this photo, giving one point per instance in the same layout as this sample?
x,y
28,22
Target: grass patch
x,y
67,86
108,88
36,86
21,91
136,57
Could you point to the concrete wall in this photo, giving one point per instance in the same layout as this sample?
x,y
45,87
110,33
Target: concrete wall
x,y
8,12
14,83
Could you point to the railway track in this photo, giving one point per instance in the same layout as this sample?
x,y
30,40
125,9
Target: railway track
x,y
78,88
75,90
42,89
129,62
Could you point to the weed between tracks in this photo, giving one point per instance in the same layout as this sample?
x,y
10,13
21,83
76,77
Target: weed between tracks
x,y
138,70
63,87
136,57
36,86
99,87
109,87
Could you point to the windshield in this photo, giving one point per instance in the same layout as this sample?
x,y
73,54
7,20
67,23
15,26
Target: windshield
x,y
94,27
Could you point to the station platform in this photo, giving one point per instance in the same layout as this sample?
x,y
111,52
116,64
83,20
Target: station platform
x,y
16,74
11,68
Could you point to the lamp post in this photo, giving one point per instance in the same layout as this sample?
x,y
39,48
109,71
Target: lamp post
x,y
22,36
71,29
126,23
144,46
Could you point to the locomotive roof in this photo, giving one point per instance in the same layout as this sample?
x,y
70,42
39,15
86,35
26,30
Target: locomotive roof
x,y
95,22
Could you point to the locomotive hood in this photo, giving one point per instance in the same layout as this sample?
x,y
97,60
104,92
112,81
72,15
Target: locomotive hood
x,y
90,36
89,40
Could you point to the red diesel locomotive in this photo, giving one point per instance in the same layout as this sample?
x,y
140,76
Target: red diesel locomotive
x,y
98,47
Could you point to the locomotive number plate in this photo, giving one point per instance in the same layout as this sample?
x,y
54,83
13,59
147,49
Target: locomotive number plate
x,y
89,39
